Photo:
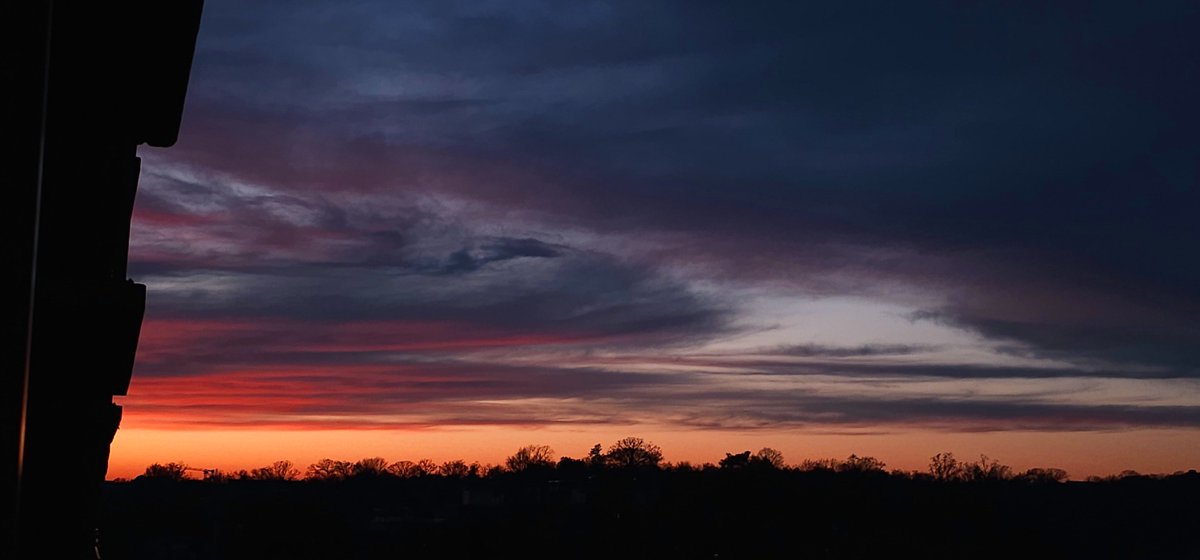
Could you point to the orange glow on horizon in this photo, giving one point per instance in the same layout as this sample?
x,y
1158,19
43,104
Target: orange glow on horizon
x,y
1082,454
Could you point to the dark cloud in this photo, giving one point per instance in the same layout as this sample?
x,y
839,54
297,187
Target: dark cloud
x,y
825,351
576,293
981,415
1170,346
868,363
497,250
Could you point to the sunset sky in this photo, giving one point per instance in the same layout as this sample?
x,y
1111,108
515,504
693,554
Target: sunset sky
x,y
450,229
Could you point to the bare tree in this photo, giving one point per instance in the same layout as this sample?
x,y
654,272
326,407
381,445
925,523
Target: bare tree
x,y
405,469
854,463
454,469
769,457
530,457
986,469
427,467
633,452
328,469
944,467
370,466
279,470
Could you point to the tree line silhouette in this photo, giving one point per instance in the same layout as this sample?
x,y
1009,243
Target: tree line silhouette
x,y
624,500
631,453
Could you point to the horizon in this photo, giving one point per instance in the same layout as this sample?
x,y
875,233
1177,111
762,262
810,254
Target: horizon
x,y
417,230
343,445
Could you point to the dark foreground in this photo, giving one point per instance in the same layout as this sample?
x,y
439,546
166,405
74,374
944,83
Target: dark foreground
x,y
655,514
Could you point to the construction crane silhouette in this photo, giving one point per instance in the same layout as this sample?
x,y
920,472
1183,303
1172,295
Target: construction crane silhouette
x,y
86,82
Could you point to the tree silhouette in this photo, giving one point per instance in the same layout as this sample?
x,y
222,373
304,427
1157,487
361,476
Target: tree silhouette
x,y
279,470
169,471
986,469
633,452
369,467
530,457
770,458
328,469
820,465
684,466
857,464
404,469
595,456
1043,475
455,469
738,461
426,467
216,475
571,467
945,467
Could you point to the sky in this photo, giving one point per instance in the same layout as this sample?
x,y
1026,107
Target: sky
x,y
450,229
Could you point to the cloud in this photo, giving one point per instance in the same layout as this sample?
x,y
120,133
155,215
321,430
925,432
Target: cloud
x,y
582,294
825,351
496,250
459,393
758,411
1164,347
